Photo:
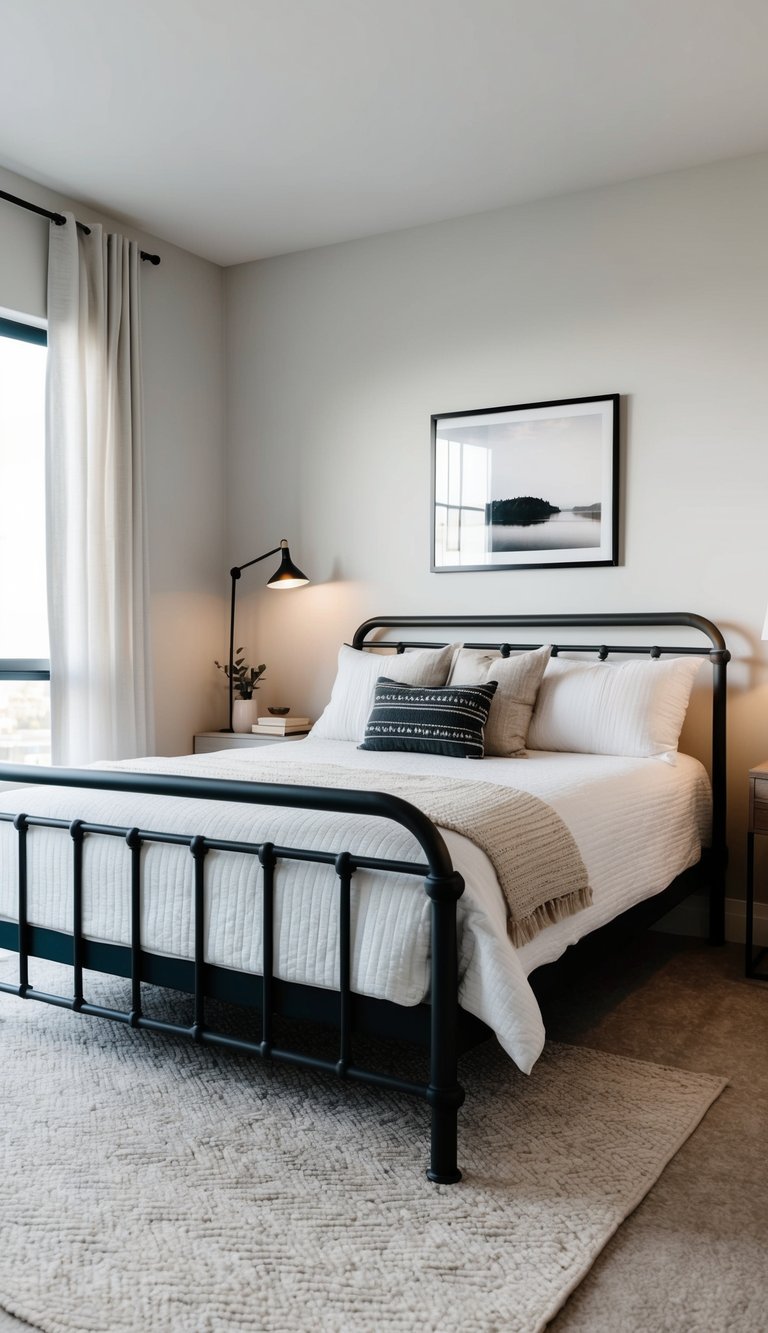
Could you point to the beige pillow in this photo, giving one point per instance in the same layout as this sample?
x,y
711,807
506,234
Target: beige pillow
x,y
519,678
351,701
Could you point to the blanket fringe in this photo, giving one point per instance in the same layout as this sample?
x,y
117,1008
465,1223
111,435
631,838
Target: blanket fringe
x,y
557,909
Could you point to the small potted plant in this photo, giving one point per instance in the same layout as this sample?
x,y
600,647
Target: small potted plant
x,y
244,680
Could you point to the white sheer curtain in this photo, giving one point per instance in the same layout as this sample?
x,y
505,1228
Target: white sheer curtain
x,y
97,597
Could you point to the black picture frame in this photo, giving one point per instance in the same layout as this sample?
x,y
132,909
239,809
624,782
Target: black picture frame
x,y
529,486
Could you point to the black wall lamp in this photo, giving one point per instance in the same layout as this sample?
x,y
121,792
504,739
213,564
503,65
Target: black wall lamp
x,y
286,577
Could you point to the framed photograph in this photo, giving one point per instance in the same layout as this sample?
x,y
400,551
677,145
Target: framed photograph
x,y
526,487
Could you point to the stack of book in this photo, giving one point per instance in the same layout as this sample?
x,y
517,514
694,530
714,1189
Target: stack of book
x,y
280,726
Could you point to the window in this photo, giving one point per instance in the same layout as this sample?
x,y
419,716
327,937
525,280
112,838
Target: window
x,y
25,714
462,491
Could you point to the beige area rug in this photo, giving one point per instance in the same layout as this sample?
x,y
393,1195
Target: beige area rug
x,y
151,1185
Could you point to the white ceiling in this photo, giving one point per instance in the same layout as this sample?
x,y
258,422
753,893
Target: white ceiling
x,y
245,128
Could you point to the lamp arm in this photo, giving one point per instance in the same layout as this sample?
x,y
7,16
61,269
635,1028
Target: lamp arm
x,y
238,569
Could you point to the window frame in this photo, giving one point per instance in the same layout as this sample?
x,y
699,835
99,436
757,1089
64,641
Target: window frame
x,y
24,668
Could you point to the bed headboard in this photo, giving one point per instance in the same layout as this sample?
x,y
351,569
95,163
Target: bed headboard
x,y
368,635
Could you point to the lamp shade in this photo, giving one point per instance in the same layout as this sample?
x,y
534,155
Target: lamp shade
x,y
764,634
287,576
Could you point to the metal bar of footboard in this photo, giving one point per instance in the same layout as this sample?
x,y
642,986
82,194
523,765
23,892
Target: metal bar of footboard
x,y
199,852
268,862
345,869
20,825
443,886
133,841
77,836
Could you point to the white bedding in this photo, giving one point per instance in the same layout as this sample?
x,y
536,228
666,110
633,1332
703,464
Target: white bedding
x,y
637,822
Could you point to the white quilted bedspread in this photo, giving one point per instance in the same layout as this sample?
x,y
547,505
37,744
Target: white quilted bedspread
x,y
637,822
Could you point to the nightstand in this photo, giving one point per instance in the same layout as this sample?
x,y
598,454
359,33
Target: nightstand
x,y
207,742
757,827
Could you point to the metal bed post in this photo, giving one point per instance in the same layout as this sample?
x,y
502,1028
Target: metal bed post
x,y
720,658
444,1094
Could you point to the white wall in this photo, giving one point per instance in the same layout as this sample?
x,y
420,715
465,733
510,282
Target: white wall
x,y
183,352
337,357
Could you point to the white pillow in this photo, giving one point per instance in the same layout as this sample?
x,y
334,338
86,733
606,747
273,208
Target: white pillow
x,y
629,708
346,714
518,678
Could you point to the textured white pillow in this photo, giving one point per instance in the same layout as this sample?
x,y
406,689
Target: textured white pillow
x,y
351,701
629,708
518,679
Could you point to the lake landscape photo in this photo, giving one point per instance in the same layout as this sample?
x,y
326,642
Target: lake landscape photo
x,y
528,523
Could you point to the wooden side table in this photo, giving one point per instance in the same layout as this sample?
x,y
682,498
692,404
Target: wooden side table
x,y
757,827
207,742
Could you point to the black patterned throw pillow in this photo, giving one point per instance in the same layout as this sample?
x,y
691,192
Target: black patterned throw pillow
x,y
445,720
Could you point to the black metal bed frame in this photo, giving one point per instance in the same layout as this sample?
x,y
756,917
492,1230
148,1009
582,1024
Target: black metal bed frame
x,y
445,1029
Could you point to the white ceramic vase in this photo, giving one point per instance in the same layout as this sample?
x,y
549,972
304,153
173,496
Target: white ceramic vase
x,y
244,714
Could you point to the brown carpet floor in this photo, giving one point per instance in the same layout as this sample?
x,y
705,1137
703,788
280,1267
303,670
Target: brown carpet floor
x,y
693,1258
694,1255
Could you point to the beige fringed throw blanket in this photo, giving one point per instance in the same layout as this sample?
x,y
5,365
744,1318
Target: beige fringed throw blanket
x,y
536,860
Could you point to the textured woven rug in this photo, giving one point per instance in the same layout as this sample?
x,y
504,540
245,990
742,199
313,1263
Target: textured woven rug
x,y
148,1184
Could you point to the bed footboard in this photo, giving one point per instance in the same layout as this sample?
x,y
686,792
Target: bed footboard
x,y
442,884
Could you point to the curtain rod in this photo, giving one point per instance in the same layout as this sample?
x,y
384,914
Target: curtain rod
x,y
60,220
